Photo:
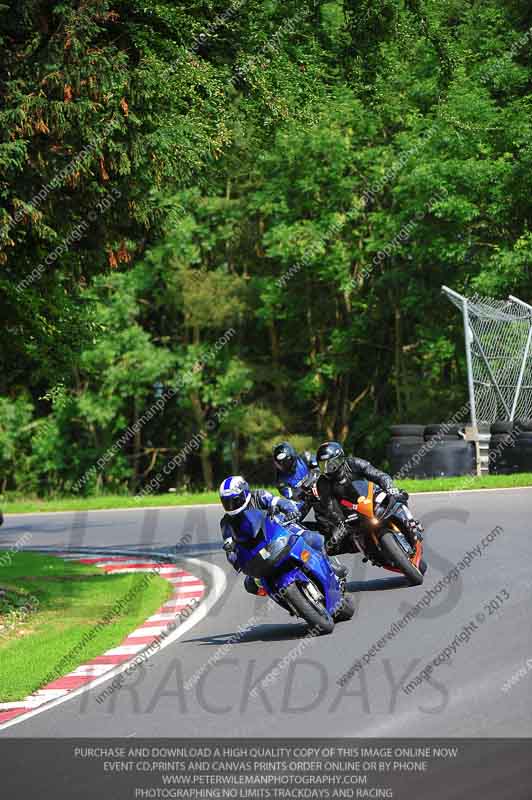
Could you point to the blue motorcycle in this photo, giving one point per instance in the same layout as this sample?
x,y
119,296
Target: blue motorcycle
x,y
298,576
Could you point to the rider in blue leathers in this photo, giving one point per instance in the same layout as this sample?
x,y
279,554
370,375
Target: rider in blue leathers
x,y
242,522
291,471
297,477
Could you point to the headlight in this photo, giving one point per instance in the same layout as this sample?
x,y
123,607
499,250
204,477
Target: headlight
x,y
277,545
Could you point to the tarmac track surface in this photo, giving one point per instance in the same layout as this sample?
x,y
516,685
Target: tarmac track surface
x,y
463,697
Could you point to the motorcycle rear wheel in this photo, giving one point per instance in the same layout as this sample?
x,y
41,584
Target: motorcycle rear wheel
x,y
393,550
315,615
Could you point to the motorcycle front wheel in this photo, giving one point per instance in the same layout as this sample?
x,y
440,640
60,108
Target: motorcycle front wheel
x,y
398,557
314,614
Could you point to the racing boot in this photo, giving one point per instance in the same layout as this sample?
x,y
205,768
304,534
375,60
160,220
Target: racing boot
x,y
340,571
338,568
254,586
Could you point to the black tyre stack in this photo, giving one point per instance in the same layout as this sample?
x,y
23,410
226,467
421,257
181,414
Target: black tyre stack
x,y
503,454
444,433
431,451
523,445
404,451
448,454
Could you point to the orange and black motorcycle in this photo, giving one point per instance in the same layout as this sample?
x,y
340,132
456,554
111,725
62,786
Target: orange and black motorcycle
x,y
380,528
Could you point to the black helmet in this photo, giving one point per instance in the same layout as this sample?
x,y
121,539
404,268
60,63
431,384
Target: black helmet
x,y
331,458
284,457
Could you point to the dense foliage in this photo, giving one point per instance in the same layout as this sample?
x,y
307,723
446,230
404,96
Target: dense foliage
x,y
224,222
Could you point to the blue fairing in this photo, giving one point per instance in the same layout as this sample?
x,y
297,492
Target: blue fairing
x,y
291,567
316,567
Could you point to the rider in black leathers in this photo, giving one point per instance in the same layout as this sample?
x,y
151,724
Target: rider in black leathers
x,y
337,482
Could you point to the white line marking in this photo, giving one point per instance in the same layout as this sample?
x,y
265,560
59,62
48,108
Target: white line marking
x,y
89,669
162,617
128,570
113,510
122,565
471,491
43,696
219,583
125,650
154,631
218,505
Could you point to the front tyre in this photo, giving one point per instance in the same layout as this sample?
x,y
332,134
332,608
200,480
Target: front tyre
x,y
398,557
314,614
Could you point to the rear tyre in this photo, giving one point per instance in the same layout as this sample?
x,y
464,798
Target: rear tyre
x,y
314,614
399,559
345,610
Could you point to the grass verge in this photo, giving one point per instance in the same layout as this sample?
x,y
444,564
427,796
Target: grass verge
x,y
19,506
56,614
467,482
22,505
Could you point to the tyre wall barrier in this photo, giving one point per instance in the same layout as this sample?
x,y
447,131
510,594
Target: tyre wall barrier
x,y
444,433
431,459
450,458
428,451
405,457
510,449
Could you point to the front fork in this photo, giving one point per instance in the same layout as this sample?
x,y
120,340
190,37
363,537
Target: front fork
x,y
409,526
375,554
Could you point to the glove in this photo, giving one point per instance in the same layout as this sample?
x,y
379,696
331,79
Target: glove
x,y
309,486
399,494
293,516
416,527
310,481
286,507
229,549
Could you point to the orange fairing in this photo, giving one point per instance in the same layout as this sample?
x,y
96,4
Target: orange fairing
x,y
419,554
365,504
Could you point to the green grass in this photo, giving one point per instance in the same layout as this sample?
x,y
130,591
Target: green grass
x,y
468,482
67,601
21,505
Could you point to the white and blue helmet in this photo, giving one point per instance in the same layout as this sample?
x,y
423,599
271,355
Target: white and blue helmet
x,y
234,494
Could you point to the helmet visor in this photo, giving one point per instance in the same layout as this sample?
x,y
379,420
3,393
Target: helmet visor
x,y
284,461
234,503
328,466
